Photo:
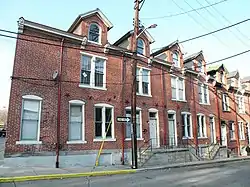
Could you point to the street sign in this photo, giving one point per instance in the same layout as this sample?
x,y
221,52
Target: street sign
x,y
123,119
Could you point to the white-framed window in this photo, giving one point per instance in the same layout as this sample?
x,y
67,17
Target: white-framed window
x,y
241,130
176,59
104,122
138,123
222,77
203,91
140,46
30,119
241,103
231,130
202,130
187,131
200,66
225,102
143,86
178,88
94,33
93,71
76,128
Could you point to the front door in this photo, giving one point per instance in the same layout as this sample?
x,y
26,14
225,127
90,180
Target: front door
x,y
153,129
171,130
223,135
212,130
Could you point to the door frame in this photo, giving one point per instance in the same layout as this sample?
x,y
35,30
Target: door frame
x,y
175,126
154,110
214,130
222,127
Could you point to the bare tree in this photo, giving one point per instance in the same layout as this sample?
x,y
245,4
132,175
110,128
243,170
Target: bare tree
x,y
3,116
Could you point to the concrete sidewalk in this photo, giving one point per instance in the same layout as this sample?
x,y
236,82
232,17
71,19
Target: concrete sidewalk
x,y
8,174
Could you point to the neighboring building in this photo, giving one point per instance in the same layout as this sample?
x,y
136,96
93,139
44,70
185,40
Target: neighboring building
x,y
178,100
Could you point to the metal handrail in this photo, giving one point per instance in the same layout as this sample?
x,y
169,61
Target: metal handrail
x,y
214,146
148,146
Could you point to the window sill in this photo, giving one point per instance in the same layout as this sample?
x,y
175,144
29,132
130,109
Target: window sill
x,y
27,142
204,103
129,139
233,139
186,138
242,113
143,95
202,137
242,139
96,43
76,142
140,55
91,87
184,101
226,110
105,140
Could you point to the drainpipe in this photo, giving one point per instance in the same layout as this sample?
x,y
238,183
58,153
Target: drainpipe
x,y
165,104
218,111
237,126
59,105
123,77
195,119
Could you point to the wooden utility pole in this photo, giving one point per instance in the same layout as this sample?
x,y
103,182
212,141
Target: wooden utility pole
x,y
133,96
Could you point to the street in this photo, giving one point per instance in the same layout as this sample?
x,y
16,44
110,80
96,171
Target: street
x,y
230,174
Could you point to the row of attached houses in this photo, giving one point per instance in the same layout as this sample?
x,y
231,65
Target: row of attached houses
x,y
68,87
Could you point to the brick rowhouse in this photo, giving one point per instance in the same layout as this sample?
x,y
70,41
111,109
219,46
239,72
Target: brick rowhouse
x,y
166,119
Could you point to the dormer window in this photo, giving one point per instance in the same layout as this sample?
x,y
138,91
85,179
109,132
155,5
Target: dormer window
x,y
200,66
140,46
94,33
222,77
176,60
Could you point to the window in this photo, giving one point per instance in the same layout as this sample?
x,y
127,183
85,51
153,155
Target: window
x,y
138,124
187,125
94,33
104,123
241,131
203,93
31,116
143,81
231,130
225,102
241,104
140,46
200,66
93,71
202,133
176,60
221,77
178,88
76,121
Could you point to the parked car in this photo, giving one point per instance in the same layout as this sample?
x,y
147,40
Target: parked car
x,y
2,133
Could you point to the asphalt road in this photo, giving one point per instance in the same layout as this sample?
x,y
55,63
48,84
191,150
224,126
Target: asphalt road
x,y
235,174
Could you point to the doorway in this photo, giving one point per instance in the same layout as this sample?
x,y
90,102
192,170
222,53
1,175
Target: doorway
x,y
212,130
153,129
172,129
223,134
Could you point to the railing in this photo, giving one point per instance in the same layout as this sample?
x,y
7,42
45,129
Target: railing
x,y
210,152
143,149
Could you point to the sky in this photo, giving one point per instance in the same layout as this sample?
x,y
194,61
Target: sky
x,y
120,13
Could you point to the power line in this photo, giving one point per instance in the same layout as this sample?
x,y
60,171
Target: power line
x,y
184,12
226,19
244,43
204,27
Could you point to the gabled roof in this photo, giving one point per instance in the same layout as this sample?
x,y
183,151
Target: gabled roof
x,y
130,33
192,56
246,79
23,22
90,13
233,74
216,68
164,48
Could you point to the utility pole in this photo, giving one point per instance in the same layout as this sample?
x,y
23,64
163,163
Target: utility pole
x,y
133,96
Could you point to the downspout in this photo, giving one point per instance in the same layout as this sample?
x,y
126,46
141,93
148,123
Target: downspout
x,y
218,111
59,105
165,106
237,125
123,77
195,119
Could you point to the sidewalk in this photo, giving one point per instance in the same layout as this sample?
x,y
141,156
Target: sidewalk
x,y
8,174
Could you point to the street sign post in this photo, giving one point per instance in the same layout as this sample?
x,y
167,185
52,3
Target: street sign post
x,y
123,119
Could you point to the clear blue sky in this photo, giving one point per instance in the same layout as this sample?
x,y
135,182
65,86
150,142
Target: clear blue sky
x,y
120,13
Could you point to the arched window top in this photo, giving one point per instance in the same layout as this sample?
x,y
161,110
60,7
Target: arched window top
x,y
176,60
200,66
129,108
94,33
140,46
103,105
33,97
77,102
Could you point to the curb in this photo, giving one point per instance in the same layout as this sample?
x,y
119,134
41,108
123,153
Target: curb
x,y
200,163
64,176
